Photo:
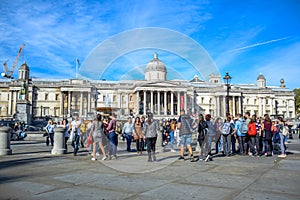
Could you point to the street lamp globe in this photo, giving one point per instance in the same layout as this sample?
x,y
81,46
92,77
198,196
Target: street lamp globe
x,y
227,78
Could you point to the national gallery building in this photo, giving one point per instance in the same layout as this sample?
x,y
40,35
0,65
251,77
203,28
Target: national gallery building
x,y
25,99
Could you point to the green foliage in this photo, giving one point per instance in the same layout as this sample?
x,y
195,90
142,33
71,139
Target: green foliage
x,y
297,100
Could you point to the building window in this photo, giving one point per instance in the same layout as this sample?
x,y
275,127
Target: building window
x,y
202,99
46,111
267,101
56,97
254,101
46,97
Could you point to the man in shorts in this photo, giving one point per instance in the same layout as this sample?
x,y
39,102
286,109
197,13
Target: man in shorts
x,y
185,134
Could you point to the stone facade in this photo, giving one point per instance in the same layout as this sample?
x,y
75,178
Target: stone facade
x,y
163,97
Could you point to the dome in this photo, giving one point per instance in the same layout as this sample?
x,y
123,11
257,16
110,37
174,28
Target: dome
x,y
24,66
156,65
261,77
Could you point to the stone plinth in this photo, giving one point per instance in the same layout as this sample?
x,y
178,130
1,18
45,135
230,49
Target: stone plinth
x,y
59,141
23,112
5,141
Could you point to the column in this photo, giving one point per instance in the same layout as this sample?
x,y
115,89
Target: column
x,y
178,103
9,102
158,102
15,101
217,105
128,102
172,103
260,107
264,105
145,102
137,103
165,103
81,104
61,103
240,105
233,105
271,106
151,101
224,106
120,103
69,102
185,102
89,102
287,108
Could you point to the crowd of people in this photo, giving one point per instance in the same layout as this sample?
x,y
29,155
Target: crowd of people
x,y
242,135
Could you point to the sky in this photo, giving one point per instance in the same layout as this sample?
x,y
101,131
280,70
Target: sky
x,y
245,38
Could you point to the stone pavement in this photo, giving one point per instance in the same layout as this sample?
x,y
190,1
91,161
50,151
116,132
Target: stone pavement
x,y
33,173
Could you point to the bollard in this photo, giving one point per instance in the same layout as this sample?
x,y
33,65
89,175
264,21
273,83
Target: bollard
x,y
59,141
5,141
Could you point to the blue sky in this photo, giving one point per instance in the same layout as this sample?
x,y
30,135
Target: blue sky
x,y
244,37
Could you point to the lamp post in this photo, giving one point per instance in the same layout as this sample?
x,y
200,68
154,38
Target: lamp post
x,y
227,78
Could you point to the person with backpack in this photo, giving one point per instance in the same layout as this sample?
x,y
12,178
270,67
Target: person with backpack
x,y
252,132
227,130
267,135
202,131
241,128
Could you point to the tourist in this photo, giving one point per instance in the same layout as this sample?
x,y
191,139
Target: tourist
x,y
138,134
127,131
258,138
227,130
209,138
218,139
83,134
280,127
150,133
75,132
202,132
240,135
112,136
65,124
267,135
50,132
172,131
251,136
185,132
97,131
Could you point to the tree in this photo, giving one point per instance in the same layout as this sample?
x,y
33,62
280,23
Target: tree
x,y
297,100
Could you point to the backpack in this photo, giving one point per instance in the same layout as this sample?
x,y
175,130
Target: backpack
x,y
226,128
244,127
285,131
252,129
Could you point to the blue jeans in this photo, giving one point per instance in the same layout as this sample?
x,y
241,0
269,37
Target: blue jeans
x,y
112,143
171,139
128,140
282,147
226,144
75,143
219,144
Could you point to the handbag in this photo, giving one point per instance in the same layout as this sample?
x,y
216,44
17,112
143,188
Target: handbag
x,y
89,140
135,137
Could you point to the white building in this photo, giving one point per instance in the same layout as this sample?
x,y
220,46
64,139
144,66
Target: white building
x,y
156,94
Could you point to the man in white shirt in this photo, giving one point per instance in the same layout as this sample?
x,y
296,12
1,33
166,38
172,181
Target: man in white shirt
x,y
127,131
75,128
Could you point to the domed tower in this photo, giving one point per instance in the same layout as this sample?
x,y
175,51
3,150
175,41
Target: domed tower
x,y
23,72
282,85
261,81
155,70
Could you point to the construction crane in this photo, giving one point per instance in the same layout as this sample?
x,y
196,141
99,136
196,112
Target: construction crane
x,y
8,73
